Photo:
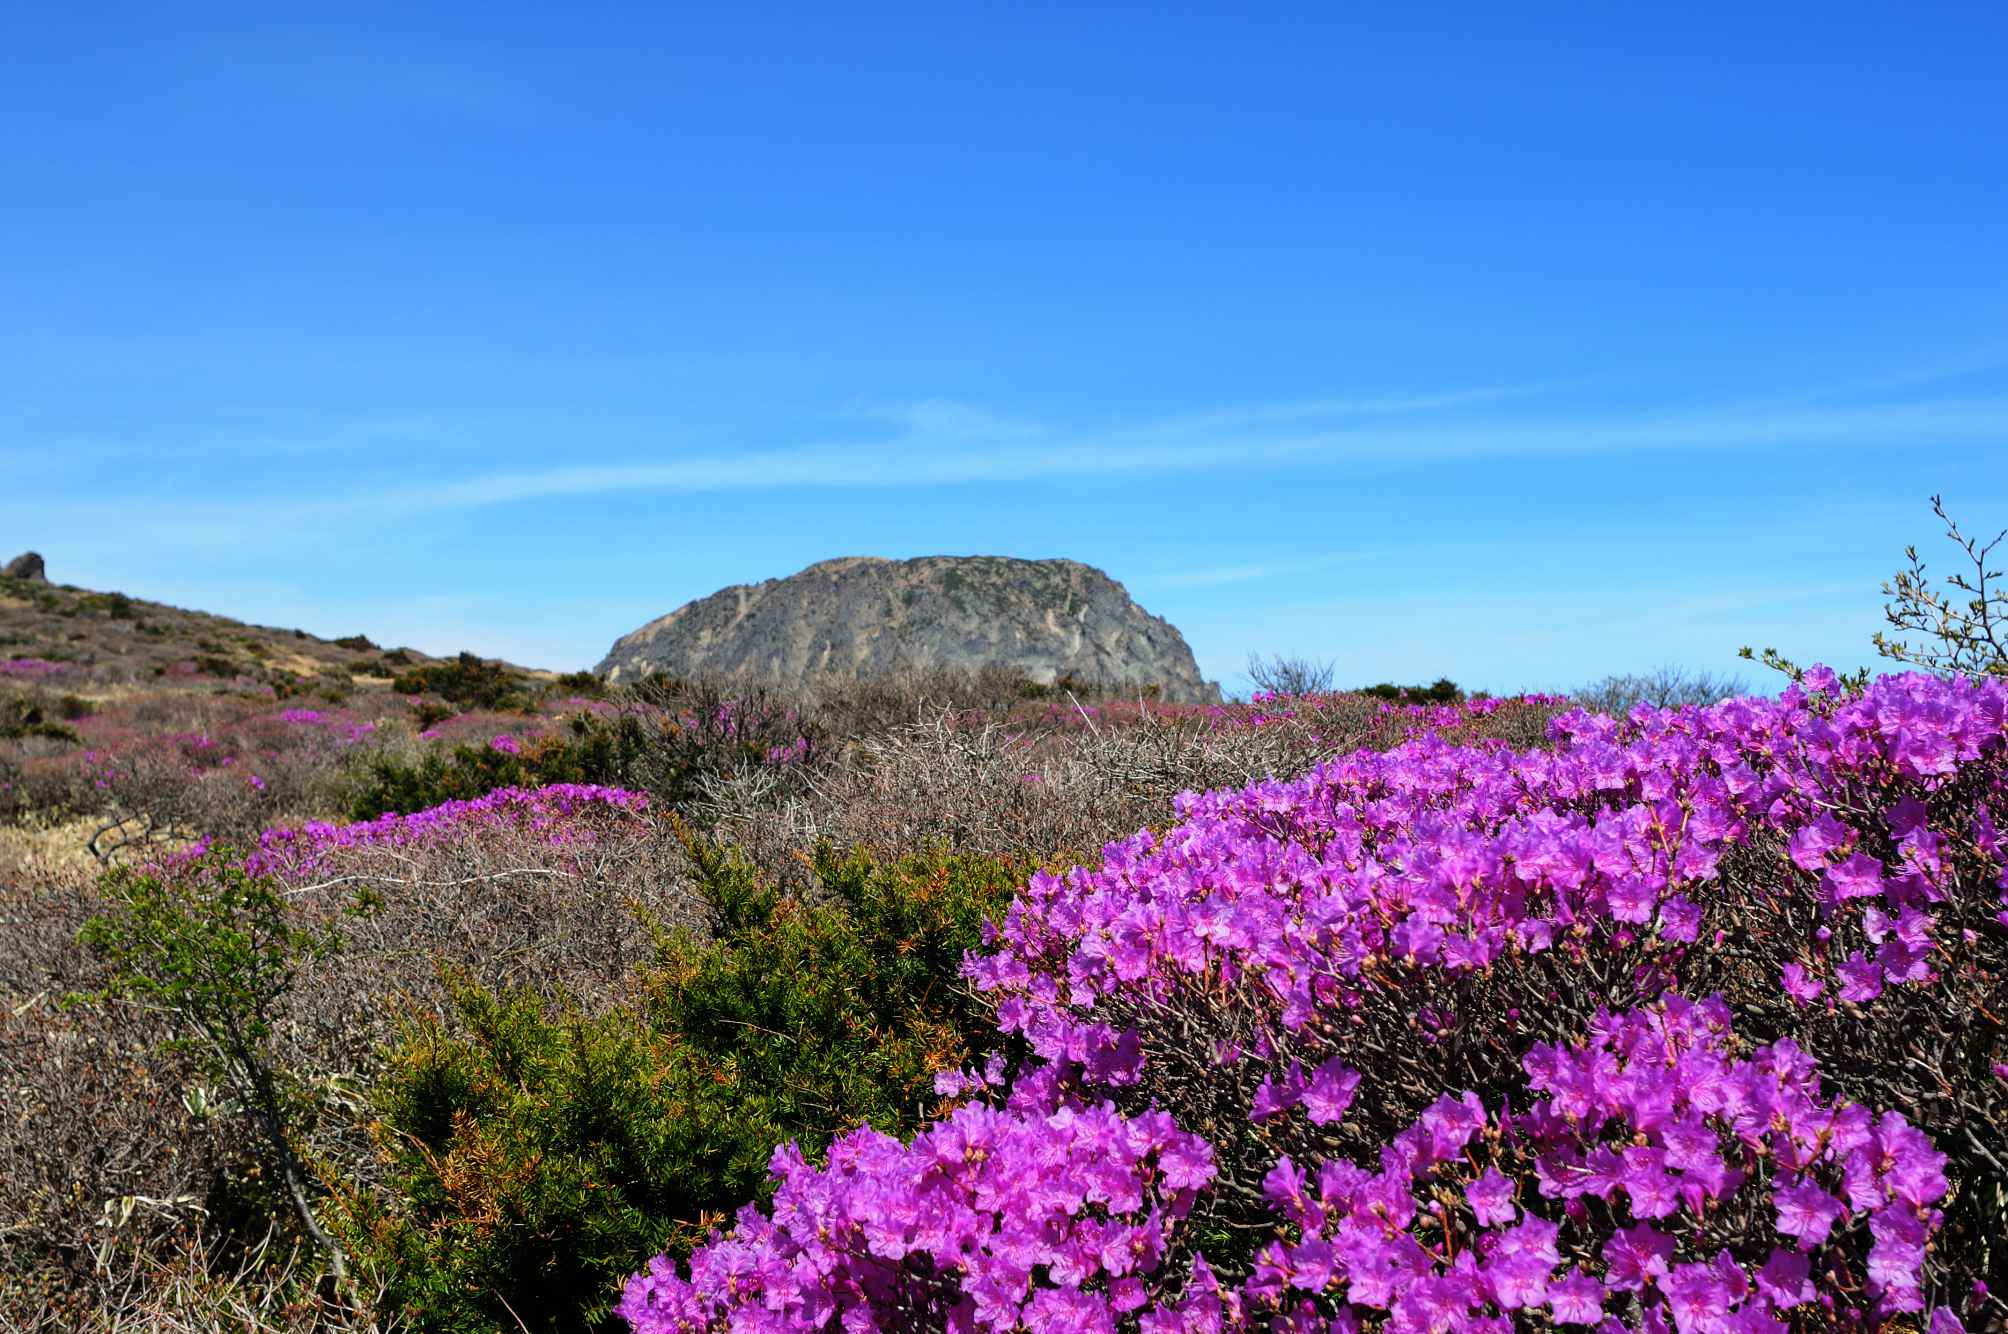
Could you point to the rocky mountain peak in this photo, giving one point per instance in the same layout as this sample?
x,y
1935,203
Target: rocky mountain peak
x,y
861,615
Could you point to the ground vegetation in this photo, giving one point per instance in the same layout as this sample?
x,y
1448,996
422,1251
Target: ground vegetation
x,y
1328,1010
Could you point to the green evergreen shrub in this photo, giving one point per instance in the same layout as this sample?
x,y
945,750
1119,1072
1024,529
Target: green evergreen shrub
x,y
666,740
21,717
543,1158
466,681
583,684
428,715
585,749
1442,691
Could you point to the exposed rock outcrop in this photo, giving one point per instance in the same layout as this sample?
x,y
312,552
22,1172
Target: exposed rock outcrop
x,y
28,565
861,615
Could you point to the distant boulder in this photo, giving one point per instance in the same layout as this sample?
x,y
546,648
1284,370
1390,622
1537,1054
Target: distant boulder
x,y
862,615
28,565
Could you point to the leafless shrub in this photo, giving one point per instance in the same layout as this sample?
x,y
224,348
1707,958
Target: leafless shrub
x,y
1065,788
504,906
200,1283
1966,625
853,708
226,786
973,789
1663,687
1292,676
91,1112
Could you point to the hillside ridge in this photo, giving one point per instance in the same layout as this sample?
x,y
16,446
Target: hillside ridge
x,y
99,642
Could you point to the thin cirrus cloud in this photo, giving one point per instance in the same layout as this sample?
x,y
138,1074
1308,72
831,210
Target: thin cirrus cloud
x,y
935,445
932,442
1240,574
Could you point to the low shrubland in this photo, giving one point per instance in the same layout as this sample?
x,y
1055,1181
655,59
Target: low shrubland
x,y
654,958
948,1003
124,1157
532,1155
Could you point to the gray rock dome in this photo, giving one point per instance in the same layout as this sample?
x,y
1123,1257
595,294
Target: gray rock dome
x,y
862,615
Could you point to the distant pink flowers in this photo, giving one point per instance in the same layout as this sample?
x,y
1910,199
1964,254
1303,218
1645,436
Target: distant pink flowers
x,y
31,669
505,743
562,813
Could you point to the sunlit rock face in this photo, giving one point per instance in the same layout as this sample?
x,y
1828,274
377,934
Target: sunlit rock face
x,y
861,615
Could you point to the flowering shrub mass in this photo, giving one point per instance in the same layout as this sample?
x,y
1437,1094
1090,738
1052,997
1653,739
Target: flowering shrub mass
x,y
550,812
31,669
954,1231
1649,1123
1688,1023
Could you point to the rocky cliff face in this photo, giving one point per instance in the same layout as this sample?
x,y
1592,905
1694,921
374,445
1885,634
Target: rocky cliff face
x,y
860,615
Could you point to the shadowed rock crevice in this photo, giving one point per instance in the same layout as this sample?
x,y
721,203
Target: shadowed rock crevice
x,y
863,615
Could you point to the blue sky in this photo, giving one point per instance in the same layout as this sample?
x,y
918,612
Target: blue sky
x,y
1516,343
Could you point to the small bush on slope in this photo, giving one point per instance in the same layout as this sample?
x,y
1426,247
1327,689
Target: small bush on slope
x,y
664,739
466,680
540,1157
588,749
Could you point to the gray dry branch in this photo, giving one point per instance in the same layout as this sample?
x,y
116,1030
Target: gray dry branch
x,y
1663,688
1967,636
1290,676
1052,794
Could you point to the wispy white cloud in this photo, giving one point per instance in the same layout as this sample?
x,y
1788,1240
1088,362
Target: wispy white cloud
x,y
1236,574
937,443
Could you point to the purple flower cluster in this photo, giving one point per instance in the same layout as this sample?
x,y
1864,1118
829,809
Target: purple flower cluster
x,y
560,813
31,669
1045,1215
345,729
1436,856
1647,1132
